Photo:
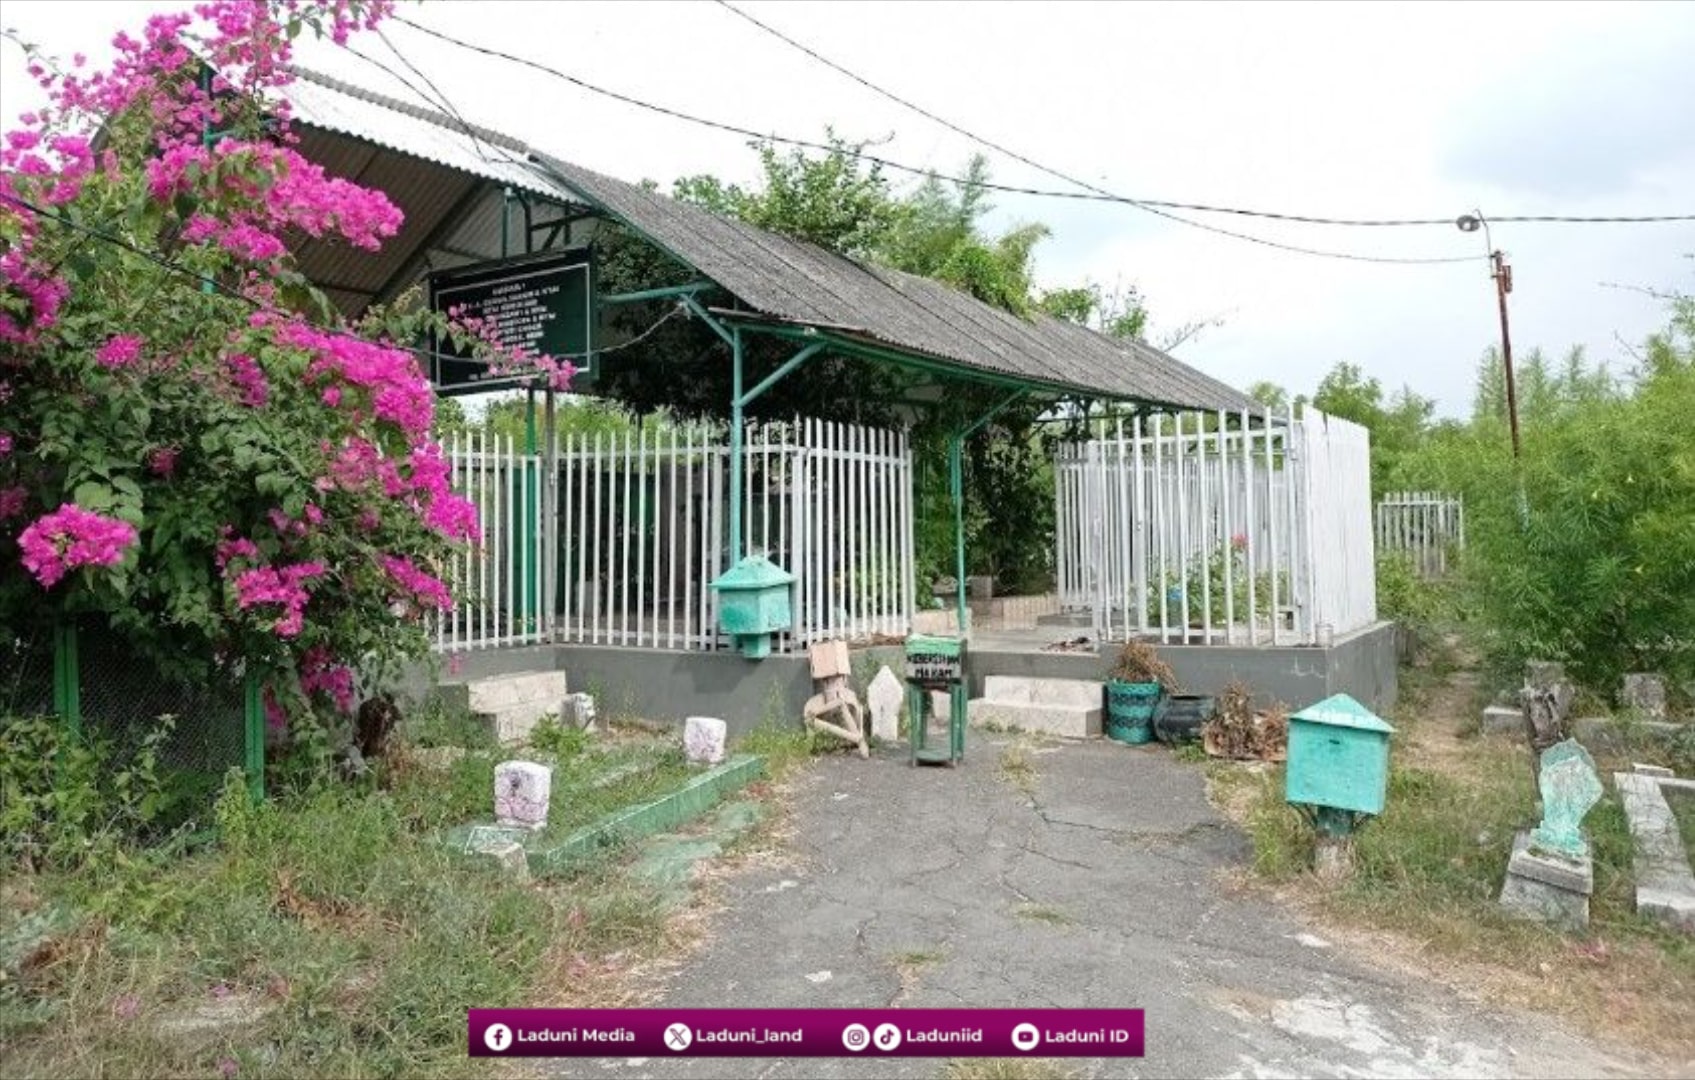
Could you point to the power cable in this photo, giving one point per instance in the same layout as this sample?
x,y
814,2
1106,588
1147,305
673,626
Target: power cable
x,y
890,163
1145,203
1093,195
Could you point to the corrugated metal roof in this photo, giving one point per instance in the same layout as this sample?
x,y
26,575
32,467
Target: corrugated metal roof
x,y
803,283
322,102
785,279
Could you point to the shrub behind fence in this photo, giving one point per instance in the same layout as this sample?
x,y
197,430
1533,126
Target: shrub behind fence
x,y
98,685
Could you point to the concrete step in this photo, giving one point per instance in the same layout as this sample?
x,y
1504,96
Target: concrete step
x,y
497,692
510,706
517,723
1065,721
1067,618
1024,690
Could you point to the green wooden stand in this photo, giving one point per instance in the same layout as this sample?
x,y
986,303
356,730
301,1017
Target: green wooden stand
x,y
918,710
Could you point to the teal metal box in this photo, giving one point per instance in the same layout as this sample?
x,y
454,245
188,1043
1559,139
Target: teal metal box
x,y
753,604
1338,757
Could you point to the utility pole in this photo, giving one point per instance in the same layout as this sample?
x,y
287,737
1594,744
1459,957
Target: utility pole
x,y
1503,275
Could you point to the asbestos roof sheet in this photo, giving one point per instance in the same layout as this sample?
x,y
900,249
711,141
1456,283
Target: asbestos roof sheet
x,y
785,280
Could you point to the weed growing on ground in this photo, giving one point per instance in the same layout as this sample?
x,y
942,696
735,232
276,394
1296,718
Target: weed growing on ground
x,y
1017,769
1043,914
1430,870
434,723
784,744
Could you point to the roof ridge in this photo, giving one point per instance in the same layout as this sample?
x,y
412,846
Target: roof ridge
x,y
417,112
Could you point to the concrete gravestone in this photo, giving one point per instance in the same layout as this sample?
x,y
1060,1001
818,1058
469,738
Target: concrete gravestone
x,y
1570,787
885,695
521,792
704,738
1645,695
1550,875
1545,699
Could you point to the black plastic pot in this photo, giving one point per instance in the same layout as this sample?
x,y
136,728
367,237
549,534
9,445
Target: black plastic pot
x,y
1179,717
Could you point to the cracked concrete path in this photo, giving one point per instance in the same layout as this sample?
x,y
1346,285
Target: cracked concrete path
x,y
1100,887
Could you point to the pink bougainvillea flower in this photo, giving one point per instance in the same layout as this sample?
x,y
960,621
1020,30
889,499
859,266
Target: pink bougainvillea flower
x,y
285,587
12,501
423,587
163,461
1239,541
69,537
120,351
5,444
253,390
320,674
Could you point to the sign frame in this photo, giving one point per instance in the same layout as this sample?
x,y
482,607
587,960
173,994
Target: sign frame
x,y
451,371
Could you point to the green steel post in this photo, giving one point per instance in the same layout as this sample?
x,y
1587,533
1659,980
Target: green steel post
x,y
789,365
706,317
67,677
736,407
669,292
529,607
956,469
253,712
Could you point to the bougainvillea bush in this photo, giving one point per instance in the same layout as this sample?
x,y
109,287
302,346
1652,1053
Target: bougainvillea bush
x,y
195,449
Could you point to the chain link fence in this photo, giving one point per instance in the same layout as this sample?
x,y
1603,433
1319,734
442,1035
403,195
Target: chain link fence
x,y
96,683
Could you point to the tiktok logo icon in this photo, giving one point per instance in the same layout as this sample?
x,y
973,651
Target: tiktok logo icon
x,y
497,1037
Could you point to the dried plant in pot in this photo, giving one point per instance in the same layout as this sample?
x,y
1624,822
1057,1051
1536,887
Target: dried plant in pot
x,y
1138,681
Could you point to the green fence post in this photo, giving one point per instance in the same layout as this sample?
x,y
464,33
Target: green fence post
x,y
253,712
67,676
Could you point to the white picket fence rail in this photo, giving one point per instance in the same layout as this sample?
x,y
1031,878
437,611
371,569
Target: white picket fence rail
x,y
638,526
1427,527
1218,528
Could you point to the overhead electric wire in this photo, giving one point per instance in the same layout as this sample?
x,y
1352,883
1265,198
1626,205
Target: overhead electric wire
x,y
200,279
1094,194
1199,207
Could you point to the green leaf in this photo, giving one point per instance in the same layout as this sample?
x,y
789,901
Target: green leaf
x,y
93,495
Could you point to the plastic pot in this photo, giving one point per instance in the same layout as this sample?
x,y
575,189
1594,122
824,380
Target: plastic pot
x,y
1130,711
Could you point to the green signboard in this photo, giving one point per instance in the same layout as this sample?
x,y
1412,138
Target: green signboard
x,y
544,303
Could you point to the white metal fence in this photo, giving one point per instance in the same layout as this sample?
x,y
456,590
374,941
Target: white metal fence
x,y
1425,526
640,526
1219,528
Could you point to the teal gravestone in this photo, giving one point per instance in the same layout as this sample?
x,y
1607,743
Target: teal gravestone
x,y
1570,787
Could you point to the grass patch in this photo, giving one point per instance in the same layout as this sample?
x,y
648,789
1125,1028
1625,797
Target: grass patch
x,y
1429,872
322,937
918,959
433,723
1017,768
325,933
1190,753
784,744
1005,1069
1043,914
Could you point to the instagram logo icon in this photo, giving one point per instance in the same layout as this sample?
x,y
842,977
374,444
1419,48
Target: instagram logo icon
x,y
855,1037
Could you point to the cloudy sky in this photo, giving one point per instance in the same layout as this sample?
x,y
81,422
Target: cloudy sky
x,y
1367,110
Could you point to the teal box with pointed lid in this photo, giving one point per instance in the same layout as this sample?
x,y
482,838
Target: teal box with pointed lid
x,y
753,603
1338,757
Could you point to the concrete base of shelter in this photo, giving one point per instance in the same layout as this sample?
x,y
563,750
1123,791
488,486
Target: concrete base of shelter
x,y
666,687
